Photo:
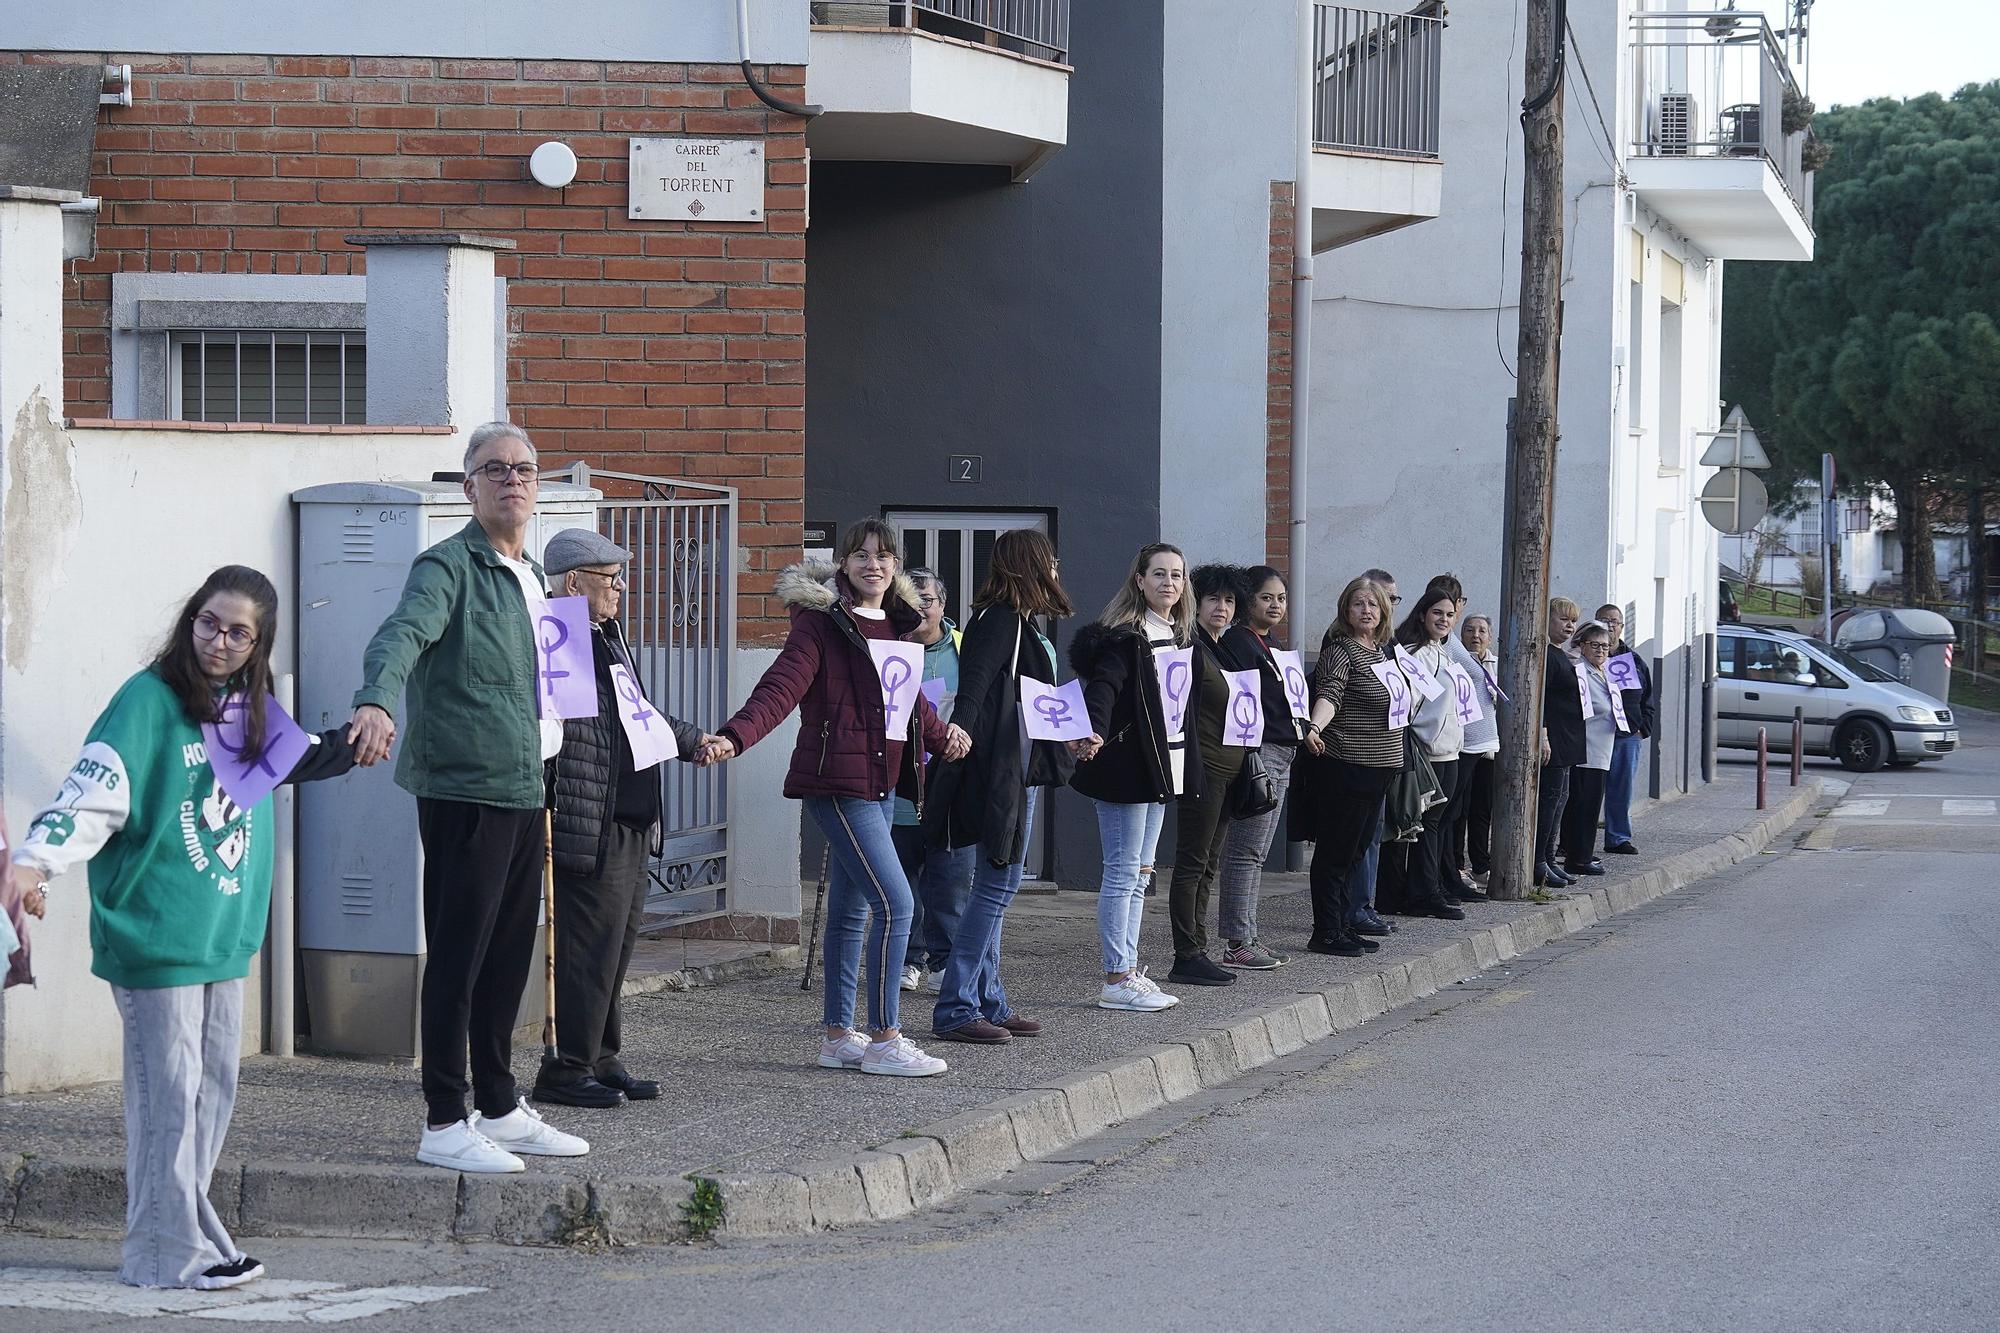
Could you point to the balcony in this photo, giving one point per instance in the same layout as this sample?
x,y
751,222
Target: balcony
x,y
1710,149
1376,79
961,81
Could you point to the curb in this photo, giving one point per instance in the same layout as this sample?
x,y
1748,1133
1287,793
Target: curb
x,y
921,1167
778,958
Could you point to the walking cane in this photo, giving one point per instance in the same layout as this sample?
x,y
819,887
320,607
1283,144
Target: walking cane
x,y
549,909
812,936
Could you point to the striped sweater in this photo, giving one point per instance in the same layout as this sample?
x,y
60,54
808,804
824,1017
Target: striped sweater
x,y
1359,732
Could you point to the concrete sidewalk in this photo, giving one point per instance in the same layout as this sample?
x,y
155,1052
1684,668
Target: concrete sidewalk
x,y
778,1145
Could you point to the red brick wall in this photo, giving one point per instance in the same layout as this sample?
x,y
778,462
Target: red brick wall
x,y
656,347
1278,390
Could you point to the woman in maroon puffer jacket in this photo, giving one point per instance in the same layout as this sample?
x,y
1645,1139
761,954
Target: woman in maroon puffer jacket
x,y
847,768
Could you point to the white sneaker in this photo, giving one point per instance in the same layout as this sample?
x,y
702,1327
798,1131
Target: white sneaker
x,y
913,976
460,1147
933,983
522,1130
900,1057
1136,994
843,1052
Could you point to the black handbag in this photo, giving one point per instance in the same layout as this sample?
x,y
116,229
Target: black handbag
x,y
1252,792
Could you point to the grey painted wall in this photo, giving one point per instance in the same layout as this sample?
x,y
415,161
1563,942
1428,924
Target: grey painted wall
x,y
701,31
952,312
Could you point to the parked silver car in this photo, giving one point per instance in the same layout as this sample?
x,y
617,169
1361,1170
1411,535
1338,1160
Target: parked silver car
x,y
1855,712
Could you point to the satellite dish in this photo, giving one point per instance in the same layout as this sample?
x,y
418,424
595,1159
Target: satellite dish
x,y
1734,500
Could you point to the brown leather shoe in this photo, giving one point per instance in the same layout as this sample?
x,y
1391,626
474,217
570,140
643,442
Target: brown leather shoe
x,y
978,1031
1022,1027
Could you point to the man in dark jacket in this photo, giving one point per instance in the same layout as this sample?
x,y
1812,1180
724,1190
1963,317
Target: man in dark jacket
x,y
606,815
1642,709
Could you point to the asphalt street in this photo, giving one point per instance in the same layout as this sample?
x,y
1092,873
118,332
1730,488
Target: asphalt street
x,y
1762,1102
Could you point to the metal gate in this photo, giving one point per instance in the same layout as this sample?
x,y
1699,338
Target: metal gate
x,y
679,615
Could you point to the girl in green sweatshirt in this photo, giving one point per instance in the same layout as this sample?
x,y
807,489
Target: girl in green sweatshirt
x,y
180,887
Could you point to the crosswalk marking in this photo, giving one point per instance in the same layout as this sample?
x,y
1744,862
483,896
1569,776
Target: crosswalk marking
x,y
1860,809
271,1300
1971,809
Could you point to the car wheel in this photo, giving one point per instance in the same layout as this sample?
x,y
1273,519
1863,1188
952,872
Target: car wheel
x,y
1862,745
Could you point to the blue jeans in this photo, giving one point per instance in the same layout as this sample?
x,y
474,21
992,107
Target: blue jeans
x,y
971,987
939,878
1626,752
1130,834
1361,893
866,895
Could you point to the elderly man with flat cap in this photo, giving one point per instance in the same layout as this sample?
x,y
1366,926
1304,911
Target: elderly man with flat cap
x,y
605,819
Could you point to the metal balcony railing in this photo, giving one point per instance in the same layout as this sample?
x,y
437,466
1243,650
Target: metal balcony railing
x,y
1716,83
1376,80
1036,28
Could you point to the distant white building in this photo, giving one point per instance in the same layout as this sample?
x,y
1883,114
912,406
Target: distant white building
x,y
1677,159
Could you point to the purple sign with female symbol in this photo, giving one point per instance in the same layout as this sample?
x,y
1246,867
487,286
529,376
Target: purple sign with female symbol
x,y
900,668
1392,680
284,745
1176,669
1054,712
1623,672
1464,694
1583,688
646,728
1421,676
565,675
1618,712
1244,722
1298,690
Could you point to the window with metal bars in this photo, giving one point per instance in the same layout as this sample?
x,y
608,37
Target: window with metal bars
x,y
318,379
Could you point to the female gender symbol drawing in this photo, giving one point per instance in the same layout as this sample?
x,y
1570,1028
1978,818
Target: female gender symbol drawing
x,y
895,675
639,712
1245,708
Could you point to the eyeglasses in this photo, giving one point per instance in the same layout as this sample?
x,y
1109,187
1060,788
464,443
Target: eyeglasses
x,y
498,472
612,580
1594,645
925,601
206,627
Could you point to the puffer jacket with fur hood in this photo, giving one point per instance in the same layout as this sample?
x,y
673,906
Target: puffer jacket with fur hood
x,y
827,673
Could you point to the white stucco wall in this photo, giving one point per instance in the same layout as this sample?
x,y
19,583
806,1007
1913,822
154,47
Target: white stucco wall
x,y
1215,280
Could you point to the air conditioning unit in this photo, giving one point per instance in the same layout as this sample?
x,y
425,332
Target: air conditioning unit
x,y
1674,118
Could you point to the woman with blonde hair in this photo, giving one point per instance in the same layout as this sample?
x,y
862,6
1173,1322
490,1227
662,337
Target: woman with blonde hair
x,y
1138,756
1350,711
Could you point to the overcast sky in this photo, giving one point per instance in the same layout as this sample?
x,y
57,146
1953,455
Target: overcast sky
x,y
1899,48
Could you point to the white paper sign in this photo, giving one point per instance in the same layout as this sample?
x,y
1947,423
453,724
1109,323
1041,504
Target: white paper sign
x,y
1392,680
900,668
1421,679
1243,719
1618,712
1583,688
1298,692
1176,669
1464,693
1623,672
696,180
646,729
1054,712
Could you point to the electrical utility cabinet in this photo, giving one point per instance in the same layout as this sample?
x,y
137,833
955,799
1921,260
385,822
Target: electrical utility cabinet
x,y
360,865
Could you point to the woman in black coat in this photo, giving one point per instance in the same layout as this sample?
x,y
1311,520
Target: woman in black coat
x,y
988,798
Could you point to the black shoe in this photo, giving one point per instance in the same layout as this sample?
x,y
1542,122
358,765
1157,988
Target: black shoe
x,y
235,1273
1574,868
635,1089
584,1092
1346,946
1445,910
1367,945
1621,849
1372,925
1199,970
1469,894
1548,877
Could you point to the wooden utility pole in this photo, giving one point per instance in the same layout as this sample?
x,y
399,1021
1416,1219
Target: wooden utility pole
x,y
1531,458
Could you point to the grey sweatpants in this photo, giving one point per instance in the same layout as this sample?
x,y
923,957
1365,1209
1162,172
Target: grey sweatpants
x,y
1246,847
182,1044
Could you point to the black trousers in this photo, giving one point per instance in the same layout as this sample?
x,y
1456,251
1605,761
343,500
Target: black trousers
x,y
1473,840
1347,800
1200,825
482,892
597,922
1425,883
1549,802
1581,813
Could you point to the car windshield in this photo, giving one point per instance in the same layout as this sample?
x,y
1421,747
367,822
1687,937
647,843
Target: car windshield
x,y
1852,663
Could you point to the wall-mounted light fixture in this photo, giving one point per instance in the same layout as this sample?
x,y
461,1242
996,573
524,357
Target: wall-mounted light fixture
x,y
553,165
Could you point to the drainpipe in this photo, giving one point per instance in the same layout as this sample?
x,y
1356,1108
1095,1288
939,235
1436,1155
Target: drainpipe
x,y
764,95
1302,273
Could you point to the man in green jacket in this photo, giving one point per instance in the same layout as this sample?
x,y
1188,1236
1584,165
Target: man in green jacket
x,y
462,642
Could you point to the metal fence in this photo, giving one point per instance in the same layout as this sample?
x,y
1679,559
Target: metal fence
x,y
1376,81
1038,28
679,615
1716,83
